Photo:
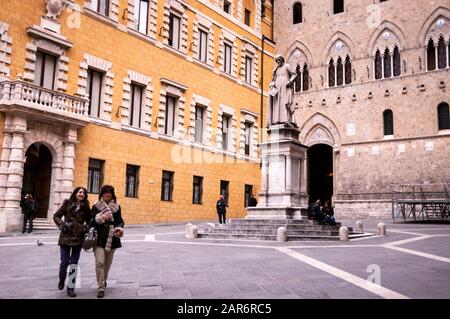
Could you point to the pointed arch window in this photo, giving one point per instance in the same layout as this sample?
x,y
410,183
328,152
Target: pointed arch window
x,y
298,14
431,55
442,53
348,70
388,122
305,78
331,74
397,62
387,63
340,72
378,67
298,79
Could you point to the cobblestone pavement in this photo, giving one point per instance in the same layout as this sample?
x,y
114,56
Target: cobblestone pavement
x,y
157,261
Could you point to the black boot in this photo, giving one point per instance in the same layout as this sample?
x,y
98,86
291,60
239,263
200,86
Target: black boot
x,y
61,284
71,292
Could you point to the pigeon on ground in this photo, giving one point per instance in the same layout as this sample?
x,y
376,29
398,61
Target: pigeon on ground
x,y
39,243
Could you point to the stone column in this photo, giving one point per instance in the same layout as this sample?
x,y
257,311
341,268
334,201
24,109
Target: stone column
x,y
11,218
336,153
68,163
288,173
304,185
263,193
4,165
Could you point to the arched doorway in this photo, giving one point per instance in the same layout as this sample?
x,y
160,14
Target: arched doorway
x,y
320,172
37,176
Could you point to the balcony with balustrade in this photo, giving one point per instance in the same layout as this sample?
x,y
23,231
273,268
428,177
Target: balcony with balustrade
x,y
43,104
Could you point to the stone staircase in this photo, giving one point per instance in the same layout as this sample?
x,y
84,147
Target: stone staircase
x,y
251,229
43,224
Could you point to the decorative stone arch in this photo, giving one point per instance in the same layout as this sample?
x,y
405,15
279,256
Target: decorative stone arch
x,y
333,50
430,26
61,149
299,52
380,39
320,129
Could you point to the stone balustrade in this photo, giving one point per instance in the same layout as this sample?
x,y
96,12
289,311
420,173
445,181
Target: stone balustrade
x,y
35,97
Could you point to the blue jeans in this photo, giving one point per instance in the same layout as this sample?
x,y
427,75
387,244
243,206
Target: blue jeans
x,y
69,255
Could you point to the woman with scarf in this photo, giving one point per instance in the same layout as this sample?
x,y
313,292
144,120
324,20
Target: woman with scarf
x,y
77,214
107,219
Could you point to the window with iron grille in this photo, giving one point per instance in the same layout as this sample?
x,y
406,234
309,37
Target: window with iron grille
x,y
443,116
388,119
167,186
132,181
197,190
224,190
95,175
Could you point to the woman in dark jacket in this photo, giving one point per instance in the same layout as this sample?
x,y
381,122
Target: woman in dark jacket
x,y
76,212
107,219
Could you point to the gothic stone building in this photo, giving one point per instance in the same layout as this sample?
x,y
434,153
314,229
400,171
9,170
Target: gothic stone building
x,y
372,97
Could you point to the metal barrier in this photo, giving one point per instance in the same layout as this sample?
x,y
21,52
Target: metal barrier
x,y
411,202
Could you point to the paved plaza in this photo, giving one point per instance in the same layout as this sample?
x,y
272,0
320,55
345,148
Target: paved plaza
x,y
157,261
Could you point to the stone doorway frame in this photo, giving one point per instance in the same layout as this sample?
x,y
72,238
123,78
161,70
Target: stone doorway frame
x,y
320,129
19,134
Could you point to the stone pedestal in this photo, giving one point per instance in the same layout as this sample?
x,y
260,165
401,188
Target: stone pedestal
x,y
283,176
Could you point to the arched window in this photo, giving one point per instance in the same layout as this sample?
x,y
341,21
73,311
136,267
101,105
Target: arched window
x,y
298,14
378,67
387,63
331,74
431,56
348,70
443,117
305,78
340,72
397,62
388,122
298,79
442,54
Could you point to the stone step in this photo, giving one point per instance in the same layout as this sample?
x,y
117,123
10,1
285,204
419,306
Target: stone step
x,y
272,221
265,237
43,224
271,232
275,226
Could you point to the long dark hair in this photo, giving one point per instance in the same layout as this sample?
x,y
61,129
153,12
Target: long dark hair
x,y
73,197
107,189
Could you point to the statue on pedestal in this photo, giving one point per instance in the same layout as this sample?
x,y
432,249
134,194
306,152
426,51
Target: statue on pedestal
x,y
281,94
